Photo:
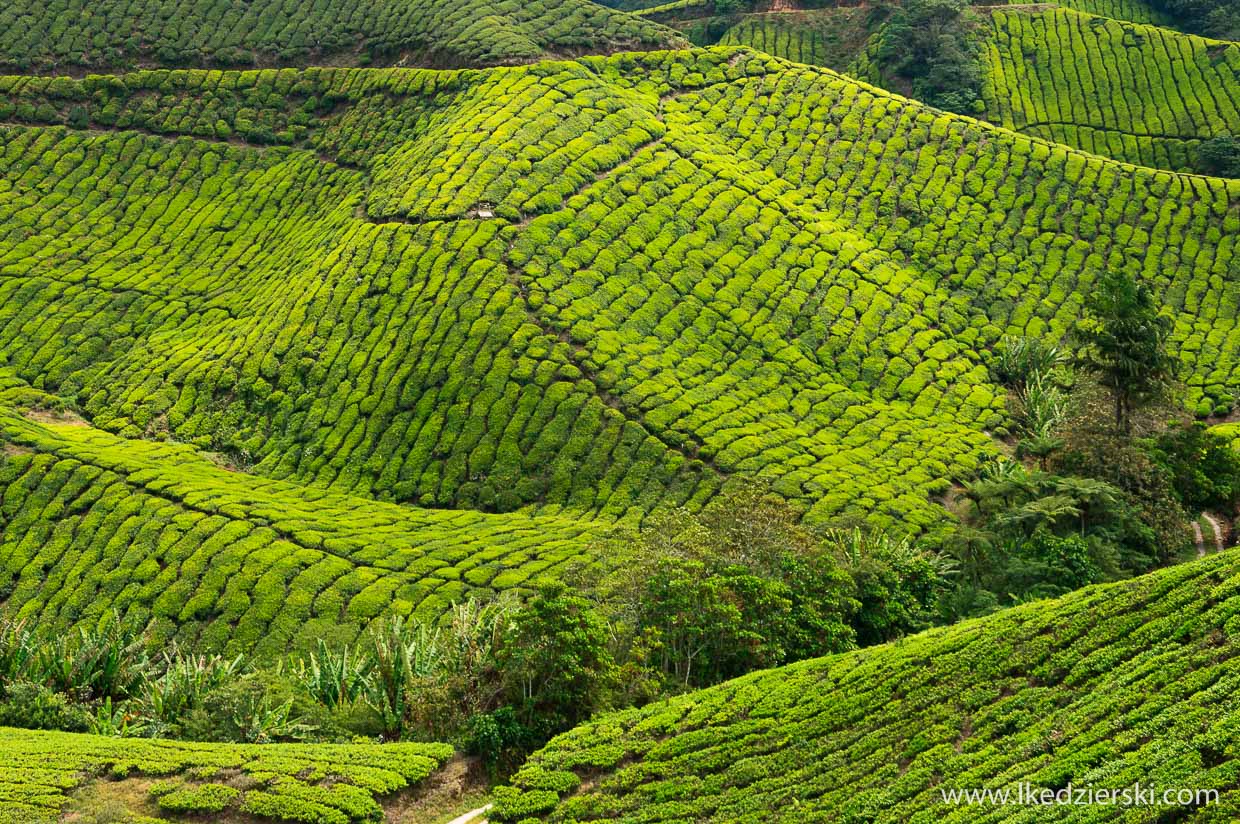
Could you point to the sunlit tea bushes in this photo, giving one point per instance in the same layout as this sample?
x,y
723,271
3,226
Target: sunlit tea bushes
x,y
1135,93
596,287
1134,11
1131,682
46,36
334,783
223,561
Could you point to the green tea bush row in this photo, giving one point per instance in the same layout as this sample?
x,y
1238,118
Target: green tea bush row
x,y
113,34
276,781
1135,93
1133,11
625,280
1111,685
219,560
829,38
885,166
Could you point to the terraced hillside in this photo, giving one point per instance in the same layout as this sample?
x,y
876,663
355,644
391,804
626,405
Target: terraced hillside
x,y
1079,75
1130,682
220,560
595,287
176,781
1140,94
827,37
1132,11
112,34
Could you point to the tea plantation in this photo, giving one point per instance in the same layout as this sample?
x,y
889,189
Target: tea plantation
x,y
597,287
1110,78
329,783
1140,94
223,561
1105,687
114,34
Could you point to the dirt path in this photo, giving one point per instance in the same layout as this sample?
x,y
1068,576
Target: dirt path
x,y
1216,529
472,817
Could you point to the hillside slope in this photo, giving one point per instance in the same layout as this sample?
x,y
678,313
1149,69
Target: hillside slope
x,y
223,561
1140,94
1111,685
183,781
600,286
111,34
1135,93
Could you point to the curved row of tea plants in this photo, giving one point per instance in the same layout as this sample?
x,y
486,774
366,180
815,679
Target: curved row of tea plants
x,y
831,37
1133,11
1111,685
59,34
224,561
1135,93
603,286
327,783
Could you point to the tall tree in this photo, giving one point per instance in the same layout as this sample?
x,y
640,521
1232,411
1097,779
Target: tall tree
x,y
1125,343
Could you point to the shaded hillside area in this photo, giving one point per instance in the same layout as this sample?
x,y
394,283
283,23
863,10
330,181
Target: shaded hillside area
x,y
1131,682
1080,76
76,35
1135,93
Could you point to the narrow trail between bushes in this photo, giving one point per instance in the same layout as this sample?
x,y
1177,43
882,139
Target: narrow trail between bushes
x,y
1199,536
472,817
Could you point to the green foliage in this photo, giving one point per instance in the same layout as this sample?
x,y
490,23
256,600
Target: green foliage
x,y
1219,156
898,584
931,46
555,660
42,36
335,678
1099,688
1125,345
108,662
1020,361
185,685
1030,533
1204,467
1214,18
340,782
741,586
1137,93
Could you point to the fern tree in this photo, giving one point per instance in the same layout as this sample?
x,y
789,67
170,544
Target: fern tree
x,y
1125,346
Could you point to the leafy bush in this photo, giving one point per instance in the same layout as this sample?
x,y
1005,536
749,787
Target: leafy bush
x,y
1219,156
1204,467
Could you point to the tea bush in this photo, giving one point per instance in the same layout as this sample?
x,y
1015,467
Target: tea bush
x,y
334,782
218,560
1136,93
1109,685
113,34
